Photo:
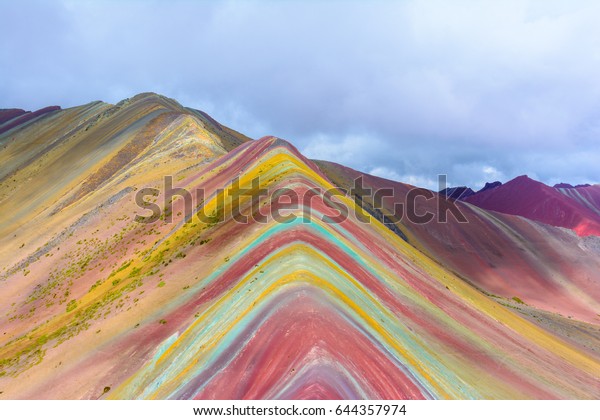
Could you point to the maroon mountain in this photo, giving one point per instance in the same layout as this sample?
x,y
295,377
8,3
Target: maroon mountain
x,y
574,208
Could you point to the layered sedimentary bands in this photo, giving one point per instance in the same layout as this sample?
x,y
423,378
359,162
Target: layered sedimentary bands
x,y
319,294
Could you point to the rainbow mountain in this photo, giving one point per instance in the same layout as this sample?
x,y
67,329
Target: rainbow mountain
x,y
150,252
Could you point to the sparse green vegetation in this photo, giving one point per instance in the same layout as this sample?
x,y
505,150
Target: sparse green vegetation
x,y
134,272
123,267
98,283
85,262
71,305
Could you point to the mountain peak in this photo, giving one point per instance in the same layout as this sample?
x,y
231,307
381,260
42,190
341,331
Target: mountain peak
x,y
522,178
563,185
457,193
523,196
490,186
150,95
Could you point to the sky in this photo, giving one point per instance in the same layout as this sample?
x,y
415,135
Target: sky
x,y
477,90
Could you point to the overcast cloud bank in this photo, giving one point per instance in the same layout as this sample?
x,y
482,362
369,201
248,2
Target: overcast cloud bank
x,y
478,90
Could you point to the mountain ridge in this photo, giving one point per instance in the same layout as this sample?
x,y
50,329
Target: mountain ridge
x,y
525,197
295,302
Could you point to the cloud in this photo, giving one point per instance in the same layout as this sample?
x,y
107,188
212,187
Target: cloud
x,y
411,179
387,173
413,88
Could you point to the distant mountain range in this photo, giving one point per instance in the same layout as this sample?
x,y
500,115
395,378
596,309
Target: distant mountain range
x,y
151,252
576,208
